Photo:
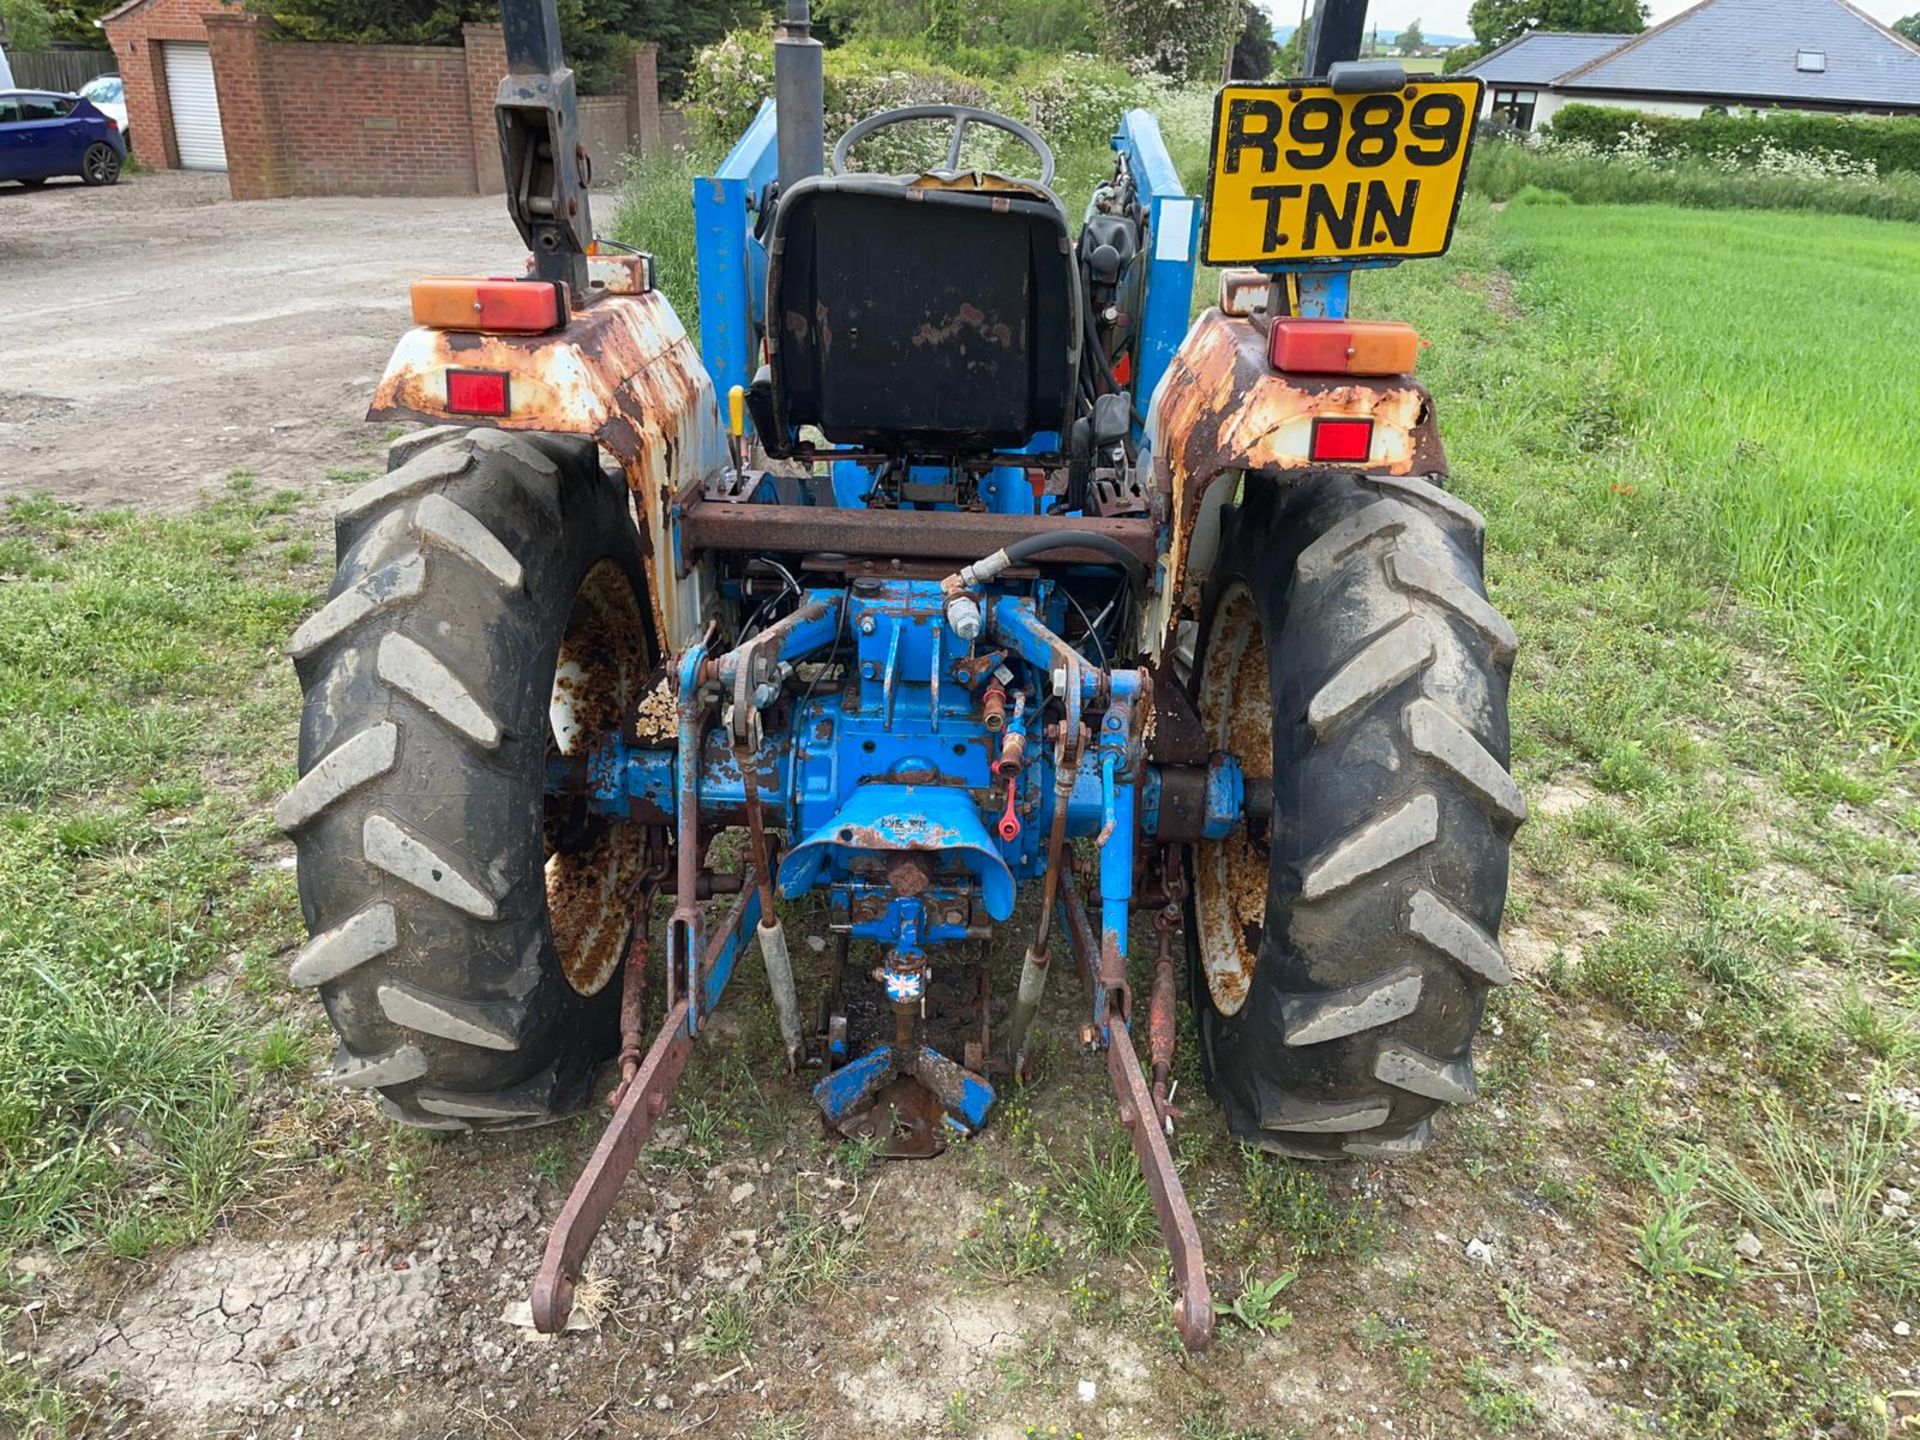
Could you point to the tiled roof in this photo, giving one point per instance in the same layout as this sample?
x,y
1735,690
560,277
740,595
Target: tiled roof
x,y
1540,56
1750,49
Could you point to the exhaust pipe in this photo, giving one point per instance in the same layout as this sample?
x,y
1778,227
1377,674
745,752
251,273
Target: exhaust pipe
x,y
799,97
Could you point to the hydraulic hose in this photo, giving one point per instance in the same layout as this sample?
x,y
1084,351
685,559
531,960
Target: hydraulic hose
x,y
1074,540
1026,548
1103,375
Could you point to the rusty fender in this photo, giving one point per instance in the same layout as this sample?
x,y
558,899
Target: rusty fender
x,y
1223,409
622,371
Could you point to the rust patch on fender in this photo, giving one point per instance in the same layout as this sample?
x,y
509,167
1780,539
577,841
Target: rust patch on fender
x,y
623,371
1223,409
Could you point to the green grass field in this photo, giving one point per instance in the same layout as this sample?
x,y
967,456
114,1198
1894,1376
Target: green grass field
x,y
1758,361
143,716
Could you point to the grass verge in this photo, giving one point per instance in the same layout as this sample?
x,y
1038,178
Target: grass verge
x,y
144,709
1709,912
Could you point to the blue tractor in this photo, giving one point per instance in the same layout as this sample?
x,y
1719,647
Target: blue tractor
x,y
956,567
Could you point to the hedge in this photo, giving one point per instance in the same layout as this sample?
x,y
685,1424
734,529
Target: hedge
x,y
1525,174
1072,100
1890,144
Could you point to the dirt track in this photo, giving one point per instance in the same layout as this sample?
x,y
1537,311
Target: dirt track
x,y
157,336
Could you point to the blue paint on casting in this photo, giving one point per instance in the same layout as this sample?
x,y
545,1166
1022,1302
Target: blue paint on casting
x,y
1172,249
732,263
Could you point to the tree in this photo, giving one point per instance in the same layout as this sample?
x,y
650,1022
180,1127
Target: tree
x,y
1495,22
1185,41
1049,26
377,22
34,24
1254,51
1461,56
1908,29
1412,40
598,35
1290,60
28,23
946,25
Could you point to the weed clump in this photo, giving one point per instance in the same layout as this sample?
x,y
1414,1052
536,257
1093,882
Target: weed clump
x,y
1498,1404
1105,1199
1730,1370
1295,1203
1010,1244
1821,1196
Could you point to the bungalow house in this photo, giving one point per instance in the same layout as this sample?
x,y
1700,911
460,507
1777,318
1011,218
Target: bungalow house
x,y
1721,54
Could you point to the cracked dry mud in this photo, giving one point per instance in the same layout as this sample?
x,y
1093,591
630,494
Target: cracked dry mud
x,y
235,1324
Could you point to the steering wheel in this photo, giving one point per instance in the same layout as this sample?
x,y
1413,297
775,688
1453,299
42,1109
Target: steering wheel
x,y
962,116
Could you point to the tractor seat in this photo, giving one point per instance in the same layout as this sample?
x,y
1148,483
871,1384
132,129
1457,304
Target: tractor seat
x,y
932,314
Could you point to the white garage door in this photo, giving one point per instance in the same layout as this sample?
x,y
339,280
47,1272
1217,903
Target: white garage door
x,y
196,108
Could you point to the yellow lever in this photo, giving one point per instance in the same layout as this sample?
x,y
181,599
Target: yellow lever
x,y
737,411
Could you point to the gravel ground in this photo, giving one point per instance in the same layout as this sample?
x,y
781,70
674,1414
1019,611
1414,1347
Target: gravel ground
x,y
158,336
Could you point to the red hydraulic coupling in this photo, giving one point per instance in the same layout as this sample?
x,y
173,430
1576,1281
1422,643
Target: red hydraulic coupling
x,y
1009,826
1013,754
993,707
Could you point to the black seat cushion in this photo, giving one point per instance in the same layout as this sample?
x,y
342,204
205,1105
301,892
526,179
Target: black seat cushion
x,y
921,319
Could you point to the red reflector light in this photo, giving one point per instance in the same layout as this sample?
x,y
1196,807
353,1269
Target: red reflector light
x,y
461,302
1343,347
1345,441
477,392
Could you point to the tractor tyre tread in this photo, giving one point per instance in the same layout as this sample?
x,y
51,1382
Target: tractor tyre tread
x,y
418,813
1393,815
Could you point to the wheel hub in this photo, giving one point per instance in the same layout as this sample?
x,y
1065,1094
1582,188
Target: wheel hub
x,y
1231,874
594,861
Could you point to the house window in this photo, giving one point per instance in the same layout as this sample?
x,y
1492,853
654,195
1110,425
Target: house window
x,y
1813,62
1515,107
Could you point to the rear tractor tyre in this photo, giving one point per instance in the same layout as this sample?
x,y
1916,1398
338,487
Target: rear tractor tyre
x,y
1342,952
467,931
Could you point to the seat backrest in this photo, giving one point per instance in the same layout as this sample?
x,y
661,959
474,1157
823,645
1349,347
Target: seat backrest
x,y
922,315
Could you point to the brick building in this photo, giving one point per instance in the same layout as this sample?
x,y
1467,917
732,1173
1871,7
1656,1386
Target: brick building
x,y
145,35
210,86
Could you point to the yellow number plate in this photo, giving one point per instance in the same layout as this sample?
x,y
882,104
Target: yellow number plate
x,y
1300,173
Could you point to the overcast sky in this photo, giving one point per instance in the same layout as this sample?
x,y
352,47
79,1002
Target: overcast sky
x,y
1449,17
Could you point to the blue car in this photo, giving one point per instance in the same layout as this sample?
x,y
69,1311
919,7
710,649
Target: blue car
x,y
44,134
